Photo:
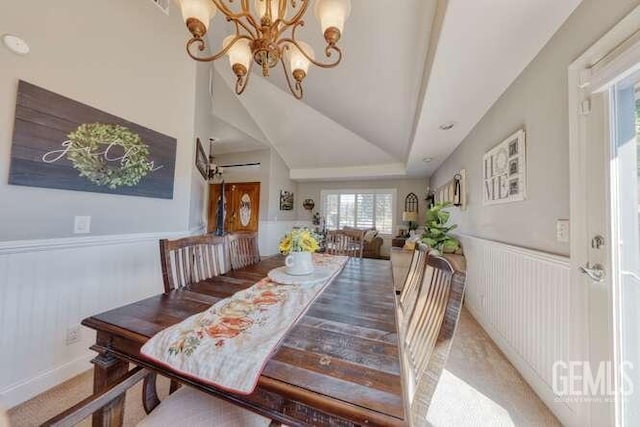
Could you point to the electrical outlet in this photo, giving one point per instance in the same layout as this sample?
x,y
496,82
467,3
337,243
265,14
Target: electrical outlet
x,y
74,334
82,225
562,230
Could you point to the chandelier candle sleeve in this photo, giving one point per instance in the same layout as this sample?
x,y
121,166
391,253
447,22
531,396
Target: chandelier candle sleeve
x,y
267,35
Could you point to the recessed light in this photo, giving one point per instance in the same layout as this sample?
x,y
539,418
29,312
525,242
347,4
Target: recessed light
x,y
447,126
427,159
15,44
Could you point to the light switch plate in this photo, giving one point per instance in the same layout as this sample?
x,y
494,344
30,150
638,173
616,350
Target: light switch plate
x,y
82,225
562,230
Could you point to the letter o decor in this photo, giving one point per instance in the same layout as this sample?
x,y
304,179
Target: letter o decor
x,y
92,154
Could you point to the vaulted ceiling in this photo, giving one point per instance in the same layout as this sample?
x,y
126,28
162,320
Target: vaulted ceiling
x,y
409,66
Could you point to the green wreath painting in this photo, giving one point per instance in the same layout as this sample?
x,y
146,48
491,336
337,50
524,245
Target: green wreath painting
x,y
65,144
93,155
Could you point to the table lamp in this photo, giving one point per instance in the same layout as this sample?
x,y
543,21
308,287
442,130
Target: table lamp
x,y
411,218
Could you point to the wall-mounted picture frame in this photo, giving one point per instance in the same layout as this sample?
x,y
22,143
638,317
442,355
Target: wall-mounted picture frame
x,y
64,144
286,200
504,171
202,163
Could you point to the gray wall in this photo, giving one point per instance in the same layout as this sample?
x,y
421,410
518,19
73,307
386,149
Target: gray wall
x,y
273,175
311,190
124,57
202,123
259,174
537,101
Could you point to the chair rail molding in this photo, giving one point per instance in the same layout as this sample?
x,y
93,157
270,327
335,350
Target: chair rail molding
x,y
522,298
36,245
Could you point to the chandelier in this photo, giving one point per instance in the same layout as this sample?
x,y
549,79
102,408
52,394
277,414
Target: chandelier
x,y
266,35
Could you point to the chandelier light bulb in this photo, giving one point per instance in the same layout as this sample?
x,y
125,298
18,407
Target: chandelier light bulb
x,y
297,60
332,13
261,8
258,40
197,14
239,53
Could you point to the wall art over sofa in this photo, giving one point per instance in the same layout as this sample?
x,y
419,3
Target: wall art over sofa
x,y
64,144
505,171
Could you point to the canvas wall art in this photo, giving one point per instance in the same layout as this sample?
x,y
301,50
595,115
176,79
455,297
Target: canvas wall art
x,y
286,201
64,144
504,171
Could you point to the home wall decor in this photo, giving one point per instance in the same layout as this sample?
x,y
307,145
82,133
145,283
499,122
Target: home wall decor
x,y
453,191
286,200
504,171
64,144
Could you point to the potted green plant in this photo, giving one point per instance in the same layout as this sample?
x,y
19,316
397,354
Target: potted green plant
x,y
436,231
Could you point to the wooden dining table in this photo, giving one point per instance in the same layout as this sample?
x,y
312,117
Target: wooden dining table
x,y
339,365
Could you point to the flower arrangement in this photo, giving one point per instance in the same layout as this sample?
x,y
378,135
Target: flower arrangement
x,y
299,240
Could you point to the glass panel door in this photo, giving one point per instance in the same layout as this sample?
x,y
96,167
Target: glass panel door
x,y
625,223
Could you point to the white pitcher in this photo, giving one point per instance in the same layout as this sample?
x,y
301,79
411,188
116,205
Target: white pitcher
x,y
299,263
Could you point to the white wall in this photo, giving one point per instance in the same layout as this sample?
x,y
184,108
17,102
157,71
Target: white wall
x,y
124,57
537,101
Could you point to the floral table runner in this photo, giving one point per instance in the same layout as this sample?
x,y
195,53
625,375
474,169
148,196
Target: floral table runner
x,y
229,344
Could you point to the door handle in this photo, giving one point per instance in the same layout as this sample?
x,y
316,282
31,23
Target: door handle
x,y
595,273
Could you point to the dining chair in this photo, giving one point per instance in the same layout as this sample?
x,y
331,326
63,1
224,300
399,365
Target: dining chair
x,y
243,249
340,242
428,336
412,283
185,407
192,259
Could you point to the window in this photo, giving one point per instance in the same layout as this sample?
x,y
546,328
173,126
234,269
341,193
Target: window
x,y
359,208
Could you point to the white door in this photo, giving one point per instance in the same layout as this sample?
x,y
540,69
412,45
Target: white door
x,y
605,243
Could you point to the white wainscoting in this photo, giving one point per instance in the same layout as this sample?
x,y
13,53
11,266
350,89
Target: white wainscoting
x,y
48,286
521,298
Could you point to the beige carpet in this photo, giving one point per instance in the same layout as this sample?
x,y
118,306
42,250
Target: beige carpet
x,y
479,388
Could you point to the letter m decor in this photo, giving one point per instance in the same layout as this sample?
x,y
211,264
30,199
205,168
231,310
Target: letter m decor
x,y
64,144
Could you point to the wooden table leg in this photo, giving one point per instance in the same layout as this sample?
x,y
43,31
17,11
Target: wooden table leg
x,y
107,370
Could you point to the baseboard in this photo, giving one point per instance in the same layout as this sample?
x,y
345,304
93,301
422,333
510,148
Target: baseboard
x,y
18,393
563,412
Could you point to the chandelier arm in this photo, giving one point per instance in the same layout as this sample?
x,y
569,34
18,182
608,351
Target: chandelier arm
x,y
201,46
304,5
297,92
327,52
282,9
246,13
228,12
238,23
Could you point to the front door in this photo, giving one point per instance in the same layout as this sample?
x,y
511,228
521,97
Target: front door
x,y
242,206
605,207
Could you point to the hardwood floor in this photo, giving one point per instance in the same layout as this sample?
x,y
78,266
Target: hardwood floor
x,y
479,387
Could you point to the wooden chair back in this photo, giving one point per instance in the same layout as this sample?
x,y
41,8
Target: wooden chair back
x,y
192,259
413,281
429,333
243,249
345,243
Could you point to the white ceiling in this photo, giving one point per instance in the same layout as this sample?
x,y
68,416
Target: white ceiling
x,y
483,46
358,120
